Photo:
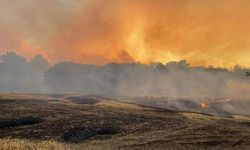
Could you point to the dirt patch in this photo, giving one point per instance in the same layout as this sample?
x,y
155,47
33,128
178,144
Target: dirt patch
x,y
77,135
245,123
83,100
106,130
19,122
22,101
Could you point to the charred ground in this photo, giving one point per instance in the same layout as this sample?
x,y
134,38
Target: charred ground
x,y
92,122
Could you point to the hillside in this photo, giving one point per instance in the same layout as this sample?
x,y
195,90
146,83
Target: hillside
x,y
91,122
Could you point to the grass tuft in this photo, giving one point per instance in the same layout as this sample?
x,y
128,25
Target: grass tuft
x,y
18,144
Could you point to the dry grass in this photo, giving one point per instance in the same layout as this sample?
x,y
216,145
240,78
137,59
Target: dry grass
x,y
138,127
15,96
119,105
18,144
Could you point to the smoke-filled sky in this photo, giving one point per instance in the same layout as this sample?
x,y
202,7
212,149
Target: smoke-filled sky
x,y
211,32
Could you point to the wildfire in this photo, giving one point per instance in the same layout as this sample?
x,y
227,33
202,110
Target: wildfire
x,y
204,105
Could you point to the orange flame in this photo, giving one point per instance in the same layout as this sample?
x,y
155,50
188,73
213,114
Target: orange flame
x,y
204,105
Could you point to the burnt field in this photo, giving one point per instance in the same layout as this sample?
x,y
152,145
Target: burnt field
x,y
94,122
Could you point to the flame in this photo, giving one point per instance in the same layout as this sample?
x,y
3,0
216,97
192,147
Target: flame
x,y
204,105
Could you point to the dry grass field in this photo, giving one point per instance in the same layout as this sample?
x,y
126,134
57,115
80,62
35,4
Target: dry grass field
x,y
87,122
17,144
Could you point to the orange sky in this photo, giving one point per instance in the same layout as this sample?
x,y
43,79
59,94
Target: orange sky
x,y
212,32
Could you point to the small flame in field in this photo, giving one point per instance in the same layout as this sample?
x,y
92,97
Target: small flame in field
x,y
204,105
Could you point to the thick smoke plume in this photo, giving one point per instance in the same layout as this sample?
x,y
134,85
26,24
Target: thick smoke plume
x,y
101,31
174,79
19,75
174,85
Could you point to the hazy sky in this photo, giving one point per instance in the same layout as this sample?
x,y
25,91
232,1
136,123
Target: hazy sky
x,y
211,32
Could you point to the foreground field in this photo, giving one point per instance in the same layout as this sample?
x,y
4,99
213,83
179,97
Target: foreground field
x,y
89,122
17,144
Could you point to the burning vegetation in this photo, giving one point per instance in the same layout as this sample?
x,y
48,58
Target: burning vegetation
x,y
203,105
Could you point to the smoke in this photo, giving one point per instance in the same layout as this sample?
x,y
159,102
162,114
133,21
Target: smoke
x,y
28,26
174,85
94,31
19,75
174,79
